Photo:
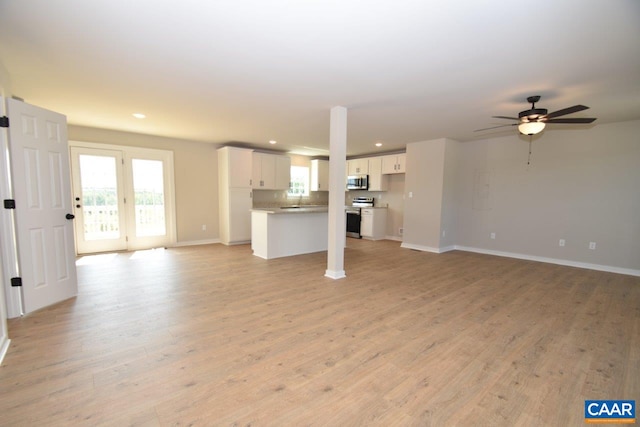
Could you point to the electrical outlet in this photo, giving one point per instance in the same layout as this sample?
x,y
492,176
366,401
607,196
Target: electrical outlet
x,y
561,242
204,227
400,231
444,232
592,246
493,236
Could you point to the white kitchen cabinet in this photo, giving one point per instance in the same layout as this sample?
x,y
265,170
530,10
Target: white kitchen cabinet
x,y
283,172
358,166
373,223
237,164
319,175
234,192
395,163
377,181
271,172
240,204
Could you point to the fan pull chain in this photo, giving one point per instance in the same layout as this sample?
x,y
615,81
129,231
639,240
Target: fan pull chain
x,y
529,158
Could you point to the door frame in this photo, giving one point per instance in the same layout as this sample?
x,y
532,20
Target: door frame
x,y
10,298
130,152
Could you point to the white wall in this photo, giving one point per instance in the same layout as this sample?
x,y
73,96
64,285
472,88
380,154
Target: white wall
x,y
582,186
448,219
196,178
424,186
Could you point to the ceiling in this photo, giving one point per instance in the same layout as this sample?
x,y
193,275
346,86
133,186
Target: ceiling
x,y
250,71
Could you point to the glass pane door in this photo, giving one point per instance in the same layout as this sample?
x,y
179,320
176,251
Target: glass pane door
x,y
99,197
123,198
98,200
148,189
151,211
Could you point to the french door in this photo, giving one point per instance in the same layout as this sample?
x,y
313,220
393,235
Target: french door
x,y
123,198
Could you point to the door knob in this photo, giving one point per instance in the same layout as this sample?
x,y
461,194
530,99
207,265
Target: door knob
x,y
69,216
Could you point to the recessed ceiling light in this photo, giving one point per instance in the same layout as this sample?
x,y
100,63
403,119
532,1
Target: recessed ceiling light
x,y
139,115
273,141
378,144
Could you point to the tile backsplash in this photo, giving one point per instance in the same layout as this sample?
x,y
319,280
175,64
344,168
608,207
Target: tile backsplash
x,y
277,198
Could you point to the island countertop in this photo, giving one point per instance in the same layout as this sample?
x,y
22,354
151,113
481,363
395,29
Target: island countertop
x,y
292,209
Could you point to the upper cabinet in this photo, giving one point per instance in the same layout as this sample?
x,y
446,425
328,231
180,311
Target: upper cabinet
x,y
283,172
319,175
236,164
395,163
377,181
358,166
271,172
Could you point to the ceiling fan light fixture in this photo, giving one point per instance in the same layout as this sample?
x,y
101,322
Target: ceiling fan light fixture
x,y
531,128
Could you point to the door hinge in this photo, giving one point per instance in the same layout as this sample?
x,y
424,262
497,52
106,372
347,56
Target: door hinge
x,y
4,122
9,204
16,282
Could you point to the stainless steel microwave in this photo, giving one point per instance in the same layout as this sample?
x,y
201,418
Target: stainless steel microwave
x,y
358,182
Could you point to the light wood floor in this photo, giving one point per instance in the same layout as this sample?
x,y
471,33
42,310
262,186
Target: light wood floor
x,y
211,335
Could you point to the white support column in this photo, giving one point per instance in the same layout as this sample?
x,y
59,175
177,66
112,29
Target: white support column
x,y
337,169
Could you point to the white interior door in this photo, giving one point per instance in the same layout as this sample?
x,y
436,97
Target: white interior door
x,y
42,190
98,197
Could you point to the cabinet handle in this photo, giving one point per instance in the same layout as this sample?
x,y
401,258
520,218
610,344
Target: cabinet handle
x,y
250,182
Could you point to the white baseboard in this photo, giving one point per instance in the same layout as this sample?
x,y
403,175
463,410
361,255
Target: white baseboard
x,y
333,274
568,263
196,242
427,248
4,349
395,238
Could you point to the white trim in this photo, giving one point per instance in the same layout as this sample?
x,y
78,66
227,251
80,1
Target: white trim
x,y
395,238
568,263
196,243
331,274
9,266
427,248
589,266
4,349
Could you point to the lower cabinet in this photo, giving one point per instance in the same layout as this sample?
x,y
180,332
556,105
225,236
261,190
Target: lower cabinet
x,y
373,223
235,216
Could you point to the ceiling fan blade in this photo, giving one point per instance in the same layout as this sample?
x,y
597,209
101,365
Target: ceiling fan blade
x,y
494,127
504,117
576,120
566,111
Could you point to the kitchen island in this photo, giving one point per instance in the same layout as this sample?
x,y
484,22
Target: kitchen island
x,y
280,232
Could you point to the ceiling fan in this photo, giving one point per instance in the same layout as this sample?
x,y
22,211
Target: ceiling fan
x,y
534,120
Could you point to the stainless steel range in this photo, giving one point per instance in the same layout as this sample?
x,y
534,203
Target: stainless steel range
x,y
354,217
